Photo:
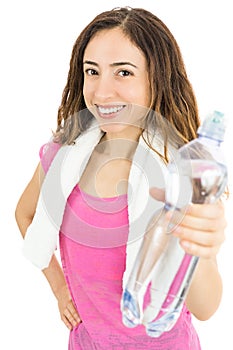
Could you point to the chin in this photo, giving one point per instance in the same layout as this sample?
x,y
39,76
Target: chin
x,y
113,127
119,127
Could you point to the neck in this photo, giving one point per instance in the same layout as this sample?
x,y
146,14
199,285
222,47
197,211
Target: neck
x,y
120,144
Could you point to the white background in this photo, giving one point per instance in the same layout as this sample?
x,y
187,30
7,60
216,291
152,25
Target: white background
x,y
36,43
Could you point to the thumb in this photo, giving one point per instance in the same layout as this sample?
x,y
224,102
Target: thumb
x,y
158,193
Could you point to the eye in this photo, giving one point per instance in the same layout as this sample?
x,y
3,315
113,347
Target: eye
x,y
91,71
124,73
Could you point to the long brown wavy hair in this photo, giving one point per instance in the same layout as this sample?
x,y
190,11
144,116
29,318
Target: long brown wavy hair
x,y
172,96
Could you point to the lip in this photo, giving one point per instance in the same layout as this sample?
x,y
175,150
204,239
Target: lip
x,y
109,107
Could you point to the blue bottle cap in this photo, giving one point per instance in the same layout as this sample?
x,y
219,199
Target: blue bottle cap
x,y
213,126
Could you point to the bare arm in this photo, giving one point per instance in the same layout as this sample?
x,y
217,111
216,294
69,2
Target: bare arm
x,y
24,214
26,205
205,291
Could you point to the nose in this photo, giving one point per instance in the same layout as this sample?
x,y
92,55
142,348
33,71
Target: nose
x,y
104,88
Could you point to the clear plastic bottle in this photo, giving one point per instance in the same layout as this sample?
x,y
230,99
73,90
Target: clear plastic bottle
x,y
197,175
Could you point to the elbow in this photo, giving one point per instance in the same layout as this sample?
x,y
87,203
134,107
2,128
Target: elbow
x,y
18,218
205,315
204,311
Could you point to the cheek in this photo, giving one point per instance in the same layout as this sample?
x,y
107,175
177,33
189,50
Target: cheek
x,y
145,92
137,114
87,93
146,96
139,94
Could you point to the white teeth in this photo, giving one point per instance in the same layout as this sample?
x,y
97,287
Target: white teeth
x,y
110,109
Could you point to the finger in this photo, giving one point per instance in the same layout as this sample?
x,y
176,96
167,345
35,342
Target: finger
x,y
68,315
66,322
198,250
71,308
158,193
204,225
210,211
206,239
200,222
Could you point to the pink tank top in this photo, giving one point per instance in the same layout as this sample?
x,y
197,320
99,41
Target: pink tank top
x,y
93,240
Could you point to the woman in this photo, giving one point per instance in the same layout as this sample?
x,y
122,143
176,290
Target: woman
x,y
126,107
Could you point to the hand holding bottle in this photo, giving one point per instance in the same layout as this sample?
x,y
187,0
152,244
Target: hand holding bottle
x,y
202,230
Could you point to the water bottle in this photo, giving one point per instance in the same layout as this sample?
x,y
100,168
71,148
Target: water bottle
x,y
198,174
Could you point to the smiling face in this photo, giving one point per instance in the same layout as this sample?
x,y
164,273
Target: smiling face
x,y
116,86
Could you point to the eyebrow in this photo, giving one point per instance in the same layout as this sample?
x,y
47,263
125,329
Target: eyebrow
x,y
115,64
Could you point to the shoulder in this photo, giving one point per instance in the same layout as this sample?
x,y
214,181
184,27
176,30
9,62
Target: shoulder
x,y
47,153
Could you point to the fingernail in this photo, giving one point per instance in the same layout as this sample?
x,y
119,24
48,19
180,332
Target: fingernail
x,y
185,244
